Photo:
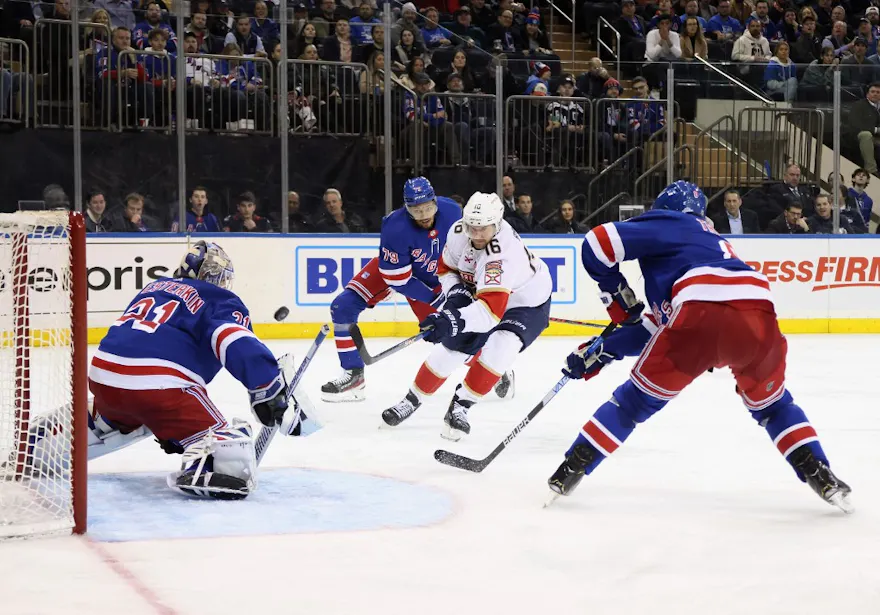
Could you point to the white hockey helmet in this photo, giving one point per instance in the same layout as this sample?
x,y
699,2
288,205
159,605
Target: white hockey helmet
x,y
483,209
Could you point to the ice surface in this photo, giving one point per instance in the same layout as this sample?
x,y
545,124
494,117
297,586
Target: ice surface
x,y
697,513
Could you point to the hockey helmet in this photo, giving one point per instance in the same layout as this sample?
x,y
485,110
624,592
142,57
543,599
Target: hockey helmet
x,y
419,198
482,209
207,261
682,196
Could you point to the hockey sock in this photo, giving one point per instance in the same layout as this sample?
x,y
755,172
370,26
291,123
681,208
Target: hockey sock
x,y
789,428
496,357
349,357
435,370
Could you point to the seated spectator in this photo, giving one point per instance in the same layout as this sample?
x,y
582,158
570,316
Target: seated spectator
x,y
339,47
415,66
202,86
780,75
96,205
16,20
664,7
856,70
316,91
735,220
863,123
378,43
463,27
262,26
592,83
308,37
152,21
508,190
131,218
246,219
296,220
761,15
483,15
335,219
326,16
822,11
137,97
707,9
121,12
807,12
808,47
866,31
536,41
249,43
434,35
472,121
243,89
838,41
198,27
822,222
407,50
503,37
860,180
613,125
838,13
752,47
693,43
566,124
362,25
519,10
197,221
849,209
790,188
646,117
564,223
789,29
161,73
522,219
692,9
541,75
13,89
407,21
723,27
461,68
429,111
819,76
633,31
790,221
872,14
663,45
372,80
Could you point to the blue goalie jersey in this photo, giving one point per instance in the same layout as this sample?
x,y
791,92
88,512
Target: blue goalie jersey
x,y
682,259
409,254
178,333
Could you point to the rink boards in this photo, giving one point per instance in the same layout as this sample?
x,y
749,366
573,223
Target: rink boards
x,y
821,284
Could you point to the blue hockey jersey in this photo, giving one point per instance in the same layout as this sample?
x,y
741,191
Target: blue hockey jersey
x,y
682,259
408,254
178,333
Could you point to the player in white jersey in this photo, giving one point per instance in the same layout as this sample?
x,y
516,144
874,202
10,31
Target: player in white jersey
x,y
497,304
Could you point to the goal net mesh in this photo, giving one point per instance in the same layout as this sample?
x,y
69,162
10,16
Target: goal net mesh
x,y
36,359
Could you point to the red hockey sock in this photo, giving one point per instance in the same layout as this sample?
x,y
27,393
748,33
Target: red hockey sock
x,y
480,379
427,382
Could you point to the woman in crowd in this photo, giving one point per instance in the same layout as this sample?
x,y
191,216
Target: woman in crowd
x,y
564,223
315,88
309,37
407,50
780,75
461,68
693,42
416,65
817,80
372,80
789,29
262,26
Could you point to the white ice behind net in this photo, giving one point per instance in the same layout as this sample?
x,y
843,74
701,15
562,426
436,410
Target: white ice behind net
x,y
36,408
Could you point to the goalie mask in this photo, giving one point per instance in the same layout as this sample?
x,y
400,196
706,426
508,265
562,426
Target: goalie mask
x,y
207,261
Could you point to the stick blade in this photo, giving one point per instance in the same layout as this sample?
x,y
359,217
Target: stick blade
x,y
459,461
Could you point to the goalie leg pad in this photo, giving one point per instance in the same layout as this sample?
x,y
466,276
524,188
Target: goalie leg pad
x,y
221,465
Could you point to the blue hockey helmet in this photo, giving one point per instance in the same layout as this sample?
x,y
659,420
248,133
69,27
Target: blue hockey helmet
x,y
419,198
207,261
682,196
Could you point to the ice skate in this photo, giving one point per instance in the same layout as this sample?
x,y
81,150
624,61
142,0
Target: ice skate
x,y
822,480
350,386
455,422
506,387
570,473
399,412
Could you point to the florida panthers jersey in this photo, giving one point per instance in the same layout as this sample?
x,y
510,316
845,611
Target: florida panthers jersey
x,y
682,259
179,333
408,254
503,275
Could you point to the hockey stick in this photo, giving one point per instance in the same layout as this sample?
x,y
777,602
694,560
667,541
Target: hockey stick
x,y
579,323
478,465
369,359
268,433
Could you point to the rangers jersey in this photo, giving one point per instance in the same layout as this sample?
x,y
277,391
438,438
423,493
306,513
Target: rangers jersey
x,y
682,259
503,275
178,333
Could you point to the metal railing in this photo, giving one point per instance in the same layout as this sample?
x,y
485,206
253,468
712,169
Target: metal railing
x,y
769,139
469,131
655,180
601,44
737,82
611,174
549,132
16,82
716,161
594,218
144,82
325,98
570,19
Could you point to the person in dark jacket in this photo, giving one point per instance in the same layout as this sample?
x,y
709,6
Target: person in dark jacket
x,y
132,219
864,124
735,220
335,219
564,223
791,188
790,222
96,221
247,220
633,31
522,219
822,222
297,221
849,209
808,47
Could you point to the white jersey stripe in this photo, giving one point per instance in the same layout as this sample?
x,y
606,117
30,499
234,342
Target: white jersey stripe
x,y
160,363
399,271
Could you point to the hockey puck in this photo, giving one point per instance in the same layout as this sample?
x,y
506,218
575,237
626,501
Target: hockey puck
x,y
281,313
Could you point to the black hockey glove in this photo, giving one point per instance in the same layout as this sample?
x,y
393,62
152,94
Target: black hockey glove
x,y
458,297
443,324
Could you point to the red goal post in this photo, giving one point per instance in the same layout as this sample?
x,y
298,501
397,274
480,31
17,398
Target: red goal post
x,y
43,368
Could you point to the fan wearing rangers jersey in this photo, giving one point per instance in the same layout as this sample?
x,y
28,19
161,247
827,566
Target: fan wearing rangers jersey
x,y
709,309
412,241
497,304
151,369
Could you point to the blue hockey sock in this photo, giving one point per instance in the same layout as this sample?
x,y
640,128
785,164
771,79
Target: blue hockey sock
x,y
344,311
349,357
788,427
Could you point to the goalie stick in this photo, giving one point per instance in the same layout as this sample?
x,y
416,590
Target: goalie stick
x,y
369,359
478,465
267,434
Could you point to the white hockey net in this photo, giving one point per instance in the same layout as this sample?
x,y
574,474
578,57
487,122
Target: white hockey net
x,y
36,386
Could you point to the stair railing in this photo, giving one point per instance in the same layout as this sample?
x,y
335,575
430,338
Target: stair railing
x,y
570,19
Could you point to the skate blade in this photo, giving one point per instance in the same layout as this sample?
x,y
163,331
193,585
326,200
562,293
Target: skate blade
x,y
551,498
842,502
338,398
448,433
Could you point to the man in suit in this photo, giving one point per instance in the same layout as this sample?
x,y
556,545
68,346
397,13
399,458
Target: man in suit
x,y
735,220
864,124
790,188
